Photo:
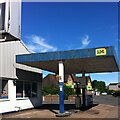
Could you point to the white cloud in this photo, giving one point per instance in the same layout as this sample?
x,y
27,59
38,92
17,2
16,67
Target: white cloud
x,y
31,47
38,44
85,41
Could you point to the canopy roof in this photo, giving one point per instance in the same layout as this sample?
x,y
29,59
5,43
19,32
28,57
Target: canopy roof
x,y
93,60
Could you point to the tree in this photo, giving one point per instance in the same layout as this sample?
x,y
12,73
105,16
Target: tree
x,y
95,84
99,85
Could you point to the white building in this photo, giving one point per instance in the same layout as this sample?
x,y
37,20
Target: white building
x,y
20,85
114,86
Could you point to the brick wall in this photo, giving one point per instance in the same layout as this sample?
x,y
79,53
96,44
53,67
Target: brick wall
x,y
56,98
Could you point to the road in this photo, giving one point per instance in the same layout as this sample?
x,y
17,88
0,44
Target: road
x,y
108,100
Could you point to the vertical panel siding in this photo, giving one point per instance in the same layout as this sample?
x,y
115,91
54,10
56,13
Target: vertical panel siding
x,y
8,52
12,11
15,18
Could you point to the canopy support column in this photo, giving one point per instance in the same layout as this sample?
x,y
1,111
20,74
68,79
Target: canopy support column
x,y
83,93
61,86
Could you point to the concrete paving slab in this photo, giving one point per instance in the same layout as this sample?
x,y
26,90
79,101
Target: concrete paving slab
x,y
98,111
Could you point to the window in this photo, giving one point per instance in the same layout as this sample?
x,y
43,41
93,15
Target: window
x,y
2,16
26,89
19,89
3,89
34,89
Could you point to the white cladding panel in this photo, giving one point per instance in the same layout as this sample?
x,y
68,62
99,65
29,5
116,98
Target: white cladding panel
x,y
8,52
13,104
12,21
15,18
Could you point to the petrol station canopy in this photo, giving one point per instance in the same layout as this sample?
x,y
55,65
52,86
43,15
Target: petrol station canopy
x,y
93,60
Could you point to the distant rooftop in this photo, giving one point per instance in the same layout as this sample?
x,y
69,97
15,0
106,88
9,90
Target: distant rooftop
x,y
114,83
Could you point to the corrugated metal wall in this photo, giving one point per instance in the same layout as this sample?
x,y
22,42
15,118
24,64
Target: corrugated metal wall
x,y
8,52
11,17
15,18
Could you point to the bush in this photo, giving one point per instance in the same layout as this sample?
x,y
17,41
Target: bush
x,y
50,90
68,91
109,92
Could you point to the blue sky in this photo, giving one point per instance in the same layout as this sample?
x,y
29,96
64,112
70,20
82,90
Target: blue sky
x,y
65,26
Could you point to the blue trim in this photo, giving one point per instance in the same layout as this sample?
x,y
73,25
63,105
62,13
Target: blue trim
x,y
61,84
54,57
61,55
116,59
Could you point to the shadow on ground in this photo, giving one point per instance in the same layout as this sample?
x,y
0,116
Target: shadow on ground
x,y
68,107
88,107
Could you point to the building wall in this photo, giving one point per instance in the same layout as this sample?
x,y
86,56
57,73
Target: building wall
x,y
69,80
10,46
11,18
16,104
15,19
50,80
8,52
114,87
11,71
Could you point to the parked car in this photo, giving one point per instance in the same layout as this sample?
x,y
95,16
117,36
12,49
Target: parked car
x,y
115,94
103,93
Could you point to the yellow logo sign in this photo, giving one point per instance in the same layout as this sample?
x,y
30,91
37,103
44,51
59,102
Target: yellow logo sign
x,y
100,51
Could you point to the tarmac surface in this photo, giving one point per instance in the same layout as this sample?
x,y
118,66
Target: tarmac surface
x,y
108,100
103,107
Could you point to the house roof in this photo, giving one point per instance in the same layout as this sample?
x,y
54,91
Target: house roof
x,y
113,84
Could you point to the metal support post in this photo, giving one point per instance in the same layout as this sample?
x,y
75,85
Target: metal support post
x,y
83,97
61,86
83,93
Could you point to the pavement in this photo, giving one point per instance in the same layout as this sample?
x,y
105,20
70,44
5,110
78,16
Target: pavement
x,y
103,107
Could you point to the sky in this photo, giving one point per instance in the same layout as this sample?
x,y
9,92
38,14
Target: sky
x,y
53,26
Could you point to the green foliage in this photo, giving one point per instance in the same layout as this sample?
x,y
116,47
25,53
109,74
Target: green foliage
x,y
117,90
50,90
68,91
94,84
99,85
109,92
